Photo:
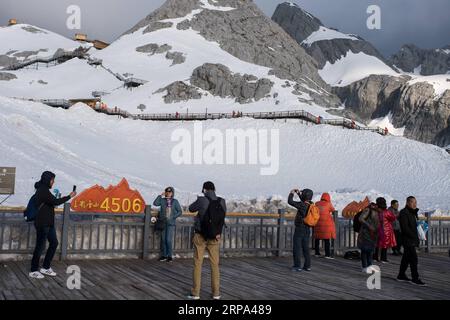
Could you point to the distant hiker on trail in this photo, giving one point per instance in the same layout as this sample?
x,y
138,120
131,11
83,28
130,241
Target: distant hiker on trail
x,y
386,237
208,227
233,114
45,225
396,226
368,236
325,229
177,114
302,231
169,211
386,131
408,225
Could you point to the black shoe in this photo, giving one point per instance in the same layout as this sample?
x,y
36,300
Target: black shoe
x,y
306,269
418,282
169,259
162,259
403,279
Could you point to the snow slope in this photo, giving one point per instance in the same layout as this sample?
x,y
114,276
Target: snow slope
x,y
74,79
357,66
325,33
353,67
84,148
386,122
440,83
23,37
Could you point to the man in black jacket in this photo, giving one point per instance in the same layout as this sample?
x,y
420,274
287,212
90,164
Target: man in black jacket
x,y
45,225
408,225
201,243
302,232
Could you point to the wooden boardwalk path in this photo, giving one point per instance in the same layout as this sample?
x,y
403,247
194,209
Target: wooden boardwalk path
x,y
242,278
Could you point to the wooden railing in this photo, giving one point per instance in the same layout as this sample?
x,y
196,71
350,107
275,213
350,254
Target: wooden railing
x,y
92,234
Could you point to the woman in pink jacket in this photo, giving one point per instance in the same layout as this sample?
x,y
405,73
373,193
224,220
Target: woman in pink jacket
x,y
386,235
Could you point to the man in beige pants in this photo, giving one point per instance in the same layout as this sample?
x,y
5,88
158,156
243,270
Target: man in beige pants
x,y
208,227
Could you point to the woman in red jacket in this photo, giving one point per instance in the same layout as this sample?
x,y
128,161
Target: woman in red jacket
x,y
325,229
386,236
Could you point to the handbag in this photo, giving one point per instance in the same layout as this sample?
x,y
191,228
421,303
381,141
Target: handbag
x,y
421,233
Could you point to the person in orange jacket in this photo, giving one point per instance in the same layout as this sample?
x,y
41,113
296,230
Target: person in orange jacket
x,y
325,229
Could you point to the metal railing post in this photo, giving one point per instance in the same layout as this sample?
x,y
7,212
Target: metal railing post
x,y
146,233
65,231
336,227
428,241
280,233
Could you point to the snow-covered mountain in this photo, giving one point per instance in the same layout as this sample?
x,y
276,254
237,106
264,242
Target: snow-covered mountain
x,y
23,42
342,58
85,148
197,53
427,62
372,90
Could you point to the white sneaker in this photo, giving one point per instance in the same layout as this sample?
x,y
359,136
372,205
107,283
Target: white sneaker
x,y
374,268
191,297
217,297
48,272
36,275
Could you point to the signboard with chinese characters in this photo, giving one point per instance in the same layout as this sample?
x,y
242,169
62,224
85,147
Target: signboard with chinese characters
x,y
7,180
114,199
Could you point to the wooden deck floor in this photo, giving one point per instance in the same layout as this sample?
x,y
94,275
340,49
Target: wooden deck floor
x,y
242,278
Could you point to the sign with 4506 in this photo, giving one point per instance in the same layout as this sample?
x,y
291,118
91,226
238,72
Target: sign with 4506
x,y
114,199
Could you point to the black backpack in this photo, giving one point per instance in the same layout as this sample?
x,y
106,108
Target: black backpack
x,y
32,209
213,220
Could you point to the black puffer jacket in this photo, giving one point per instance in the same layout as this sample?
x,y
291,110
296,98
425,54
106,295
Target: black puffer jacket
x,y
46,202
408,225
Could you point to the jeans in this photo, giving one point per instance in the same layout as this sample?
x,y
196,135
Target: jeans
x,y
166,241
327,247
213,248
301,246
383,254
366,257
43,234
409,258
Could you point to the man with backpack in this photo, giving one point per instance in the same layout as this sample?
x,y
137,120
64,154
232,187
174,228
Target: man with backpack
x,y
307,217
44,222
208,227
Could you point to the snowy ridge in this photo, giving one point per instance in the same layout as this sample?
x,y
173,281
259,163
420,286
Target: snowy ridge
x,y
27,38
325,33
84,148
353,67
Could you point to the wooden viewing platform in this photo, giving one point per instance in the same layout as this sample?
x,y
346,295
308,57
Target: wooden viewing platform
x,y
242,278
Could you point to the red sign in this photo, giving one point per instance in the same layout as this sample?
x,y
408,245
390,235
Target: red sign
x,y
114,199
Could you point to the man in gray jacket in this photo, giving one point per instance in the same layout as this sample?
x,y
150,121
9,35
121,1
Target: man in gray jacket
x,y
201,244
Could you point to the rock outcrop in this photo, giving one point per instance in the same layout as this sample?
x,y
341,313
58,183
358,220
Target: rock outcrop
x,y
425,116
426,62
219,81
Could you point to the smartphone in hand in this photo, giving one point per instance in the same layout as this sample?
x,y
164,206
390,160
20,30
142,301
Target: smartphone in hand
x,y
74,188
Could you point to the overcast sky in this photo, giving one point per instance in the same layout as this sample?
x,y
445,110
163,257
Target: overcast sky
x,y
425,23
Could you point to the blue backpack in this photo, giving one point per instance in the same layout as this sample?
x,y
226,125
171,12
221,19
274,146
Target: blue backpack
x,y
32,209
